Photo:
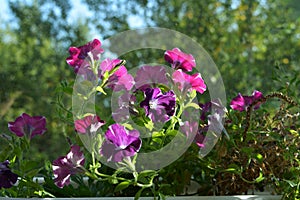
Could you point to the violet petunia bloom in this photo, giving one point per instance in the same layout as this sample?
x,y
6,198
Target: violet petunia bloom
x,y
120,143
27,125
241,103
124,107
148,76
79,55
159,107
189,128
180,60
185,81
7,177
194,132
68,165
89,124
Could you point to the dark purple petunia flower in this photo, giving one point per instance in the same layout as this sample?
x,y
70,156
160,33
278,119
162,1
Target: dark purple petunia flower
x,y
241,103
190,82
213,112
150,75
120,143
159,107
89,124
180,60
79,55
27,125
68,165
213,106
200,140
7,177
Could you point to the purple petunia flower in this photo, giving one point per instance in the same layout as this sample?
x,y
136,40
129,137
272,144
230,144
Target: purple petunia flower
x,y
180,60
78,55
241,103
150,75
89,124
68,165
189,82
27,125
120,143
159,106
7,177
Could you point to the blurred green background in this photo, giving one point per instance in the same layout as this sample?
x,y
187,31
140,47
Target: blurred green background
x,y
255,45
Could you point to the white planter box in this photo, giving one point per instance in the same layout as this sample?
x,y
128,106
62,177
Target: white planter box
x,y
259,196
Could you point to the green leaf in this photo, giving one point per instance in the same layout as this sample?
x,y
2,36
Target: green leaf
x,y
232,168
100,89
113,180
260,178
147,173
121,186
291,183
192,104
149,125
138,194
193,94
259,157
294,133
128,126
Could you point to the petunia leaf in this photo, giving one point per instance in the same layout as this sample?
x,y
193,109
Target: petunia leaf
x,y
121,186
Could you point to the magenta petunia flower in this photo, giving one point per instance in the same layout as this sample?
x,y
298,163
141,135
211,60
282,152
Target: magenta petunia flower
x,y
68,165
7,177
27,125
89,124
159,107
107,65
241,103
120,143
79,55
189,82
148,76
180,60
121,80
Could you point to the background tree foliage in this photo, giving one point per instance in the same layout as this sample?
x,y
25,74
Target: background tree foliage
x,y
251,42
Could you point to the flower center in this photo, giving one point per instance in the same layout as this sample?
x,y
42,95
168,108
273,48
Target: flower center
x,y
153,103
